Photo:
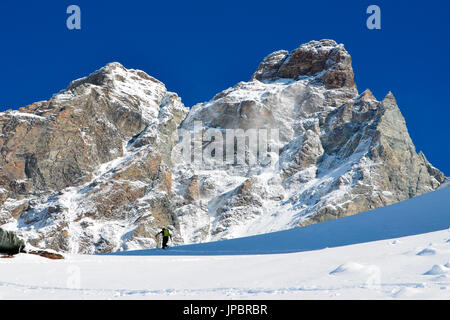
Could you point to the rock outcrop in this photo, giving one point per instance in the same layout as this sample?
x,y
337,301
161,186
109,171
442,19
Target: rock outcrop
x,y
325,59
92,170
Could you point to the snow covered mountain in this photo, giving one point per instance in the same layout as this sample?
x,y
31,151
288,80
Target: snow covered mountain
x,y
86,171
93,169
420,215
407,258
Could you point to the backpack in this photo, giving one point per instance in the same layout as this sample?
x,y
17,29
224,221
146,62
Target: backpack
x,y
166,232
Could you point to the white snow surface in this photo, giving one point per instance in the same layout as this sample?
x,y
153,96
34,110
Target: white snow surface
x,y
407,257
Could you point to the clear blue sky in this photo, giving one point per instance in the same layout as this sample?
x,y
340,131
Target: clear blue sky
x,y
198,48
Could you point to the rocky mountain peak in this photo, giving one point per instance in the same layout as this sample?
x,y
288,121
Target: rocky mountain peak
x,y
389,99
324,59
367,95
115,75
92,170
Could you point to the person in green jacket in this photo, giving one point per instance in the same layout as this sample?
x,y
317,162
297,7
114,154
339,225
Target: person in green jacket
x,y
165,234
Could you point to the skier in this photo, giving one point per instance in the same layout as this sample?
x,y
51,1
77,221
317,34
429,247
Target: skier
x,y
165,234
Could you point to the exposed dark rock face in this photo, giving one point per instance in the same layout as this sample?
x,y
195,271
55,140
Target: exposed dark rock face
x,y
324,57
10,243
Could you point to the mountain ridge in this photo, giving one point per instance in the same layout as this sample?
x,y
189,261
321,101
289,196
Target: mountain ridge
x,y
398,220
92,170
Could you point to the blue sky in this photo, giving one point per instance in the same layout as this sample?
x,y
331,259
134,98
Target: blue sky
x,y
198,48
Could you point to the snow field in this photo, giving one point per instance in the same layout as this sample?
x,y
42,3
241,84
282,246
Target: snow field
x,y
400,251
385,269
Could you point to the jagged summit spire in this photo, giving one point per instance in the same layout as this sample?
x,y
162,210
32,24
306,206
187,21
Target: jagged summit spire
x,y
325,59
390,98
367,95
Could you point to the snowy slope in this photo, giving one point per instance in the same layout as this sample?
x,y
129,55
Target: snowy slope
x,y
415,267
405,266
422,214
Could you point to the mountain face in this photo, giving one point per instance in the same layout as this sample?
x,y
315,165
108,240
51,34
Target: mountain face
x,y
94,169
